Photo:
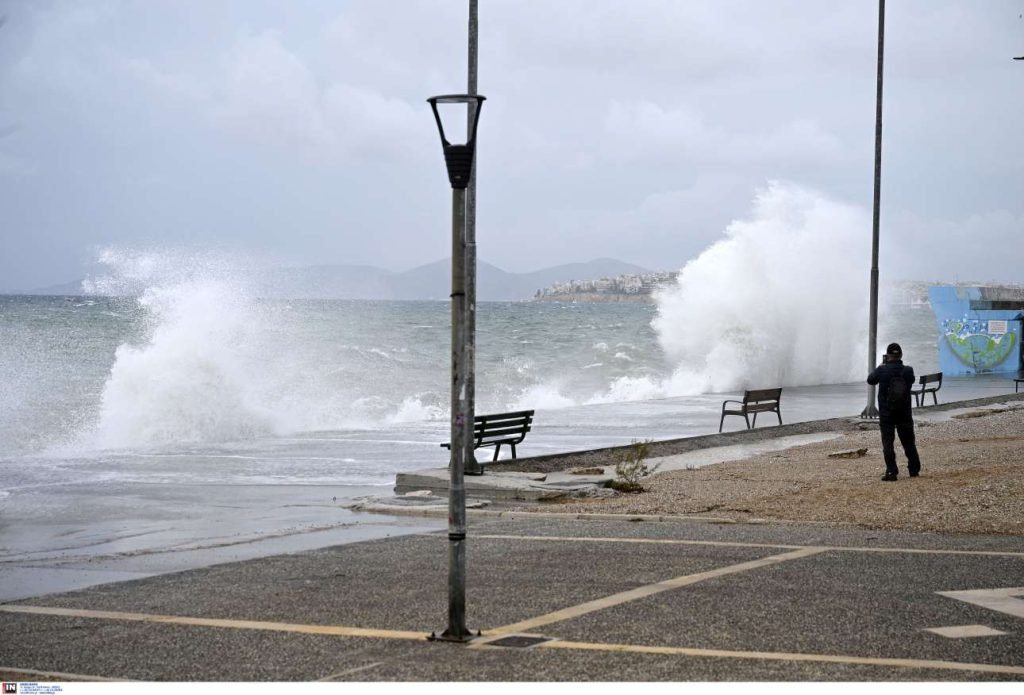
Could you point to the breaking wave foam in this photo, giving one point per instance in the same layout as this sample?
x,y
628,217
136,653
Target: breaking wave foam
x,y
217,364
778,302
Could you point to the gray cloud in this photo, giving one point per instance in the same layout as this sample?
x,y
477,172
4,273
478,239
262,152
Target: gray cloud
x,y
637,130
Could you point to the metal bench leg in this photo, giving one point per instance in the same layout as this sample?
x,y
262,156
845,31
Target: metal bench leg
x,y
513,451
748,419
497,448
780,416
721,422
935,398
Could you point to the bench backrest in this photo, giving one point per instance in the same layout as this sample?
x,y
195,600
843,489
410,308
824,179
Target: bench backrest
x,y
502,425
762,395
929,378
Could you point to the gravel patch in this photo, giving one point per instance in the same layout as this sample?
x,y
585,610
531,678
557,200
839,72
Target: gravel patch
x,y
971,482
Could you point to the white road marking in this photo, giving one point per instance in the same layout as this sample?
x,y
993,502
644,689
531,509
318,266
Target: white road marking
x,y
962,631
1002,600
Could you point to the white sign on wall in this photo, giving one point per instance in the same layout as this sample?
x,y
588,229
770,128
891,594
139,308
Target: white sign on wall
x,y
996,327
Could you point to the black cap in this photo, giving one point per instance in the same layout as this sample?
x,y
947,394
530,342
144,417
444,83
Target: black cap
x,y
894,349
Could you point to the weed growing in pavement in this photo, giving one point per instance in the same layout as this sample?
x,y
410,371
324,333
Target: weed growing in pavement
x,y
632,467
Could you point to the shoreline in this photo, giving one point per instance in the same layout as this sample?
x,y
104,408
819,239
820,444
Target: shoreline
x,y
972,480
126,531
668,447
179,527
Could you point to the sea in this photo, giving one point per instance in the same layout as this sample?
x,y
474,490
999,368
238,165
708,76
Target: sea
x,y
174,429
173,416
332,391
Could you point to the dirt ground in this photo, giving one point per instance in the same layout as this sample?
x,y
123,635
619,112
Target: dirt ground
x,y
971,482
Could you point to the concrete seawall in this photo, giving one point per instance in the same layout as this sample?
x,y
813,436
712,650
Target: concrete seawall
x,y
547,477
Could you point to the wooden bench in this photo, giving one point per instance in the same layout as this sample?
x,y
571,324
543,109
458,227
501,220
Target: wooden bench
x,y
500,428
759,401
926,379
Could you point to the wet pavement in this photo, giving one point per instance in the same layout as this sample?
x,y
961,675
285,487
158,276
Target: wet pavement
x,y
606,600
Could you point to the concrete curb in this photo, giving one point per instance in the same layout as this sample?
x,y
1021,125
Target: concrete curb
x,y
669,447
541,479
497,514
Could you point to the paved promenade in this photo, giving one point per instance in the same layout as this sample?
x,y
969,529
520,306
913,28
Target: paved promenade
x,y
612,599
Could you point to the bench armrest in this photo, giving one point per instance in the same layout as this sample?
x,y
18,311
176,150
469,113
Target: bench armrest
x,y
731,401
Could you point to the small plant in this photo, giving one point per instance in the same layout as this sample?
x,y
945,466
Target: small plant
x,y
632,467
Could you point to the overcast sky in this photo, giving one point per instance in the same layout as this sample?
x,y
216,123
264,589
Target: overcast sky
x,y
632,129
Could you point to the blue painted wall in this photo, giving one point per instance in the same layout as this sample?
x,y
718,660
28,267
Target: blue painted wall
x,y
975,340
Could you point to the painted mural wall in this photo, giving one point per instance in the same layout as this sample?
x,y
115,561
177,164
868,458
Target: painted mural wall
x,y
975,340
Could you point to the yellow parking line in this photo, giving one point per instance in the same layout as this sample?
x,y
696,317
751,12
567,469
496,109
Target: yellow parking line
x,y
930,551
734,544
650,541
349,672
335,630
786,656
648,590
555,644
34,675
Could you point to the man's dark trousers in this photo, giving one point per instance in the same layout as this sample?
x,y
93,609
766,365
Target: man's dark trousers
x,y
890,427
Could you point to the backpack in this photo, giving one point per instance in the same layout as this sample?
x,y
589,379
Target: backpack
x,y
899,392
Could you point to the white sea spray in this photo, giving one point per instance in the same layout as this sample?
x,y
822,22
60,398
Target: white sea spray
x,y
218,364
779,301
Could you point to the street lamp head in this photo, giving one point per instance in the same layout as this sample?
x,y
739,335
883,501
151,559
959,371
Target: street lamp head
x,y
459,157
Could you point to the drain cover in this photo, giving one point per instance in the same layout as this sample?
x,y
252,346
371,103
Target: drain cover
x,y
518,641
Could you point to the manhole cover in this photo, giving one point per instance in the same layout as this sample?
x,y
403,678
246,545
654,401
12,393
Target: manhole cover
x,y
518,641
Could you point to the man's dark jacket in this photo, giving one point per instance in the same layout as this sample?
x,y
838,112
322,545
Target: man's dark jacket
x,y
882,375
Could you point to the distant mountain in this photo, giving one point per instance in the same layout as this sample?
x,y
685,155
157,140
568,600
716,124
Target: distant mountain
x,y
431,281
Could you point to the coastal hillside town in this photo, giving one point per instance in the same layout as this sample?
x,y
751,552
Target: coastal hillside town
x,y
640,287
636,287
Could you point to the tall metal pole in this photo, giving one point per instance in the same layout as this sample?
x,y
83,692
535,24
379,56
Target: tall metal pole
x,y
461,433
459,162
469,357
870,411
463,460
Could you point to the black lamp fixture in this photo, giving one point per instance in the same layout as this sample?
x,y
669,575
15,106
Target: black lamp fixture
x,y
458,157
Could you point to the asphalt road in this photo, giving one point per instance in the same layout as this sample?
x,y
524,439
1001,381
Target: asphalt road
x,y
610,600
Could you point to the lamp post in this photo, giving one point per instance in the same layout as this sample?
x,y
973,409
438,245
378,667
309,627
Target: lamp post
x,y
459,161
870,411
472,466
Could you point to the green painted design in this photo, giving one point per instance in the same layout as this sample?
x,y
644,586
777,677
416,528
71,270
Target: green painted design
x,y
979,350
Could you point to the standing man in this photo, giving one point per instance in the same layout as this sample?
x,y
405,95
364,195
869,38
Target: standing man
x,y
894,380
